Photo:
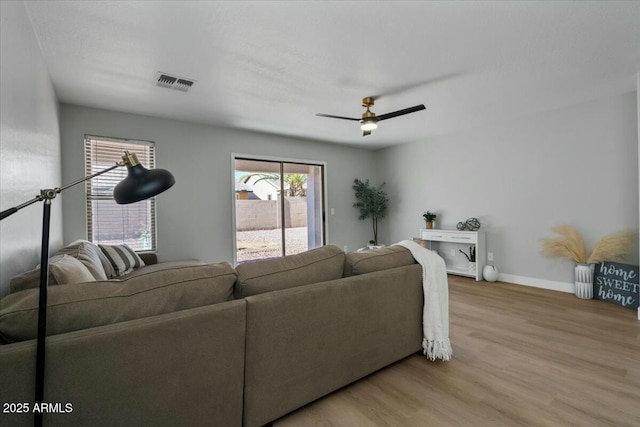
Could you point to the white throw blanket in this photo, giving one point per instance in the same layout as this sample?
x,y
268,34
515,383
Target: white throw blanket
x,y
435,315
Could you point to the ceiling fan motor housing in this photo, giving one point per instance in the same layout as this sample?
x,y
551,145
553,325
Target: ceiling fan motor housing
x,y
368,115
368,101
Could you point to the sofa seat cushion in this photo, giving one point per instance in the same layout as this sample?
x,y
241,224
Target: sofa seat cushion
x,y
63,270
90,255
317,265
376,260
86,305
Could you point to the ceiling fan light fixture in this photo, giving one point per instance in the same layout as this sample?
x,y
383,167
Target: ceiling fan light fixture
x,y
369,124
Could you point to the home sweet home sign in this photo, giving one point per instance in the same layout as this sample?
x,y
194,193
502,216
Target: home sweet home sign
x,y
617,283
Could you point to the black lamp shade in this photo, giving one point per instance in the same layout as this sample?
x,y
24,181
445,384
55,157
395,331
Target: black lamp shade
x,y
141,184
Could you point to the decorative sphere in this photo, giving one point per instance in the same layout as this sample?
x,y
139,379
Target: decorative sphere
x,y
490,273
461,226
473,224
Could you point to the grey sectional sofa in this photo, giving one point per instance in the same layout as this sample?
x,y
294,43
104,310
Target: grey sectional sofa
x,y
295,329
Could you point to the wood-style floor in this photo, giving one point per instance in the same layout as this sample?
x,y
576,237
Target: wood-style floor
x,y
521,357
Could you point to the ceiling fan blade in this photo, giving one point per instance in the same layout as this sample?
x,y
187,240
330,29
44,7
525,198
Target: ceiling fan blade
x,y
366,132
407,87
337,117
401,112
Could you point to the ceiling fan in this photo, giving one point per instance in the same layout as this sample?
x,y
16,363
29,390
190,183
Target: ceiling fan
x,y
369,120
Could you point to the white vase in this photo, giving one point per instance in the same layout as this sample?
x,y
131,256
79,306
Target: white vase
x,y
490,273
584,281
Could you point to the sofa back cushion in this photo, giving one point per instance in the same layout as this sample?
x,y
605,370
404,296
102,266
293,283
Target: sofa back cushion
x,y
63,270
376,260
317,265
86,305
149,258
167,265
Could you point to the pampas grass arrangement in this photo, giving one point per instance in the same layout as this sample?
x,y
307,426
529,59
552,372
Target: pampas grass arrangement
x,y
613,247
569,245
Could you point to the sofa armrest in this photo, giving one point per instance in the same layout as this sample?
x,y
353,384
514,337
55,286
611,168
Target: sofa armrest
x,y
149,258
305,342
180,368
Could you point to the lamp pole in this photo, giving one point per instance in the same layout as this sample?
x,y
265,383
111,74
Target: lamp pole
x,y
42,308
45,196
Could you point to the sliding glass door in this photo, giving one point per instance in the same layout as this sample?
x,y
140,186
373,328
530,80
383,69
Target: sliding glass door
x,y
279,208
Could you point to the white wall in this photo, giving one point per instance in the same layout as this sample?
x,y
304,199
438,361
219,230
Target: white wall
x,y
577,166
29,144
638,114
194,217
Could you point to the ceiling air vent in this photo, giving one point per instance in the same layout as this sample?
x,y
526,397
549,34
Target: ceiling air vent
x,y
183,85
174,82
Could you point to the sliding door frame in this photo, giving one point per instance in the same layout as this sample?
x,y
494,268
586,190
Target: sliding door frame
x,y
282,161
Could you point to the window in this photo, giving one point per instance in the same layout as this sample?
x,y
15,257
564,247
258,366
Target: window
x,y
279,207
108,222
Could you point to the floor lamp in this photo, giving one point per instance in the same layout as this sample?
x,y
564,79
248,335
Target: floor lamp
x,y
140,184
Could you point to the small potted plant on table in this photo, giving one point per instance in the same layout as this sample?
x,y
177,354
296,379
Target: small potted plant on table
x,y
471,257
429,218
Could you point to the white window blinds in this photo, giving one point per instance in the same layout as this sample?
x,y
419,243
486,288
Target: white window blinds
x,y
108,222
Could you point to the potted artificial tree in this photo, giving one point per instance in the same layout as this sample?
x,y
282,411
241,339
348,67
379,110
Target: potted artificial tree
x,y
373,203
429,217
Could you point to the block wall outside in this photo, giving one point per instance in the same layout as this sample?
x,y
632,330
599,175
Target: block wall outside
x,y
264,215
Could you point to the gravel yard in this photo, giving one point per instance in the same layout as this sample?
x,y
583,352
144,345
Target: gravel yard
x,y
258,244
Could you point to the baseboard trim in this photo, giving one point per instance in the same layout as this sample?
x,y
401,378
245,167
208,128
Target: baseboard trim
x,y
537,283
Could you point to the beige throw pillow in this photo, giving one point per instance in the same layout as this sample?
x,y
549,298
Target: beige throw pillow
x,y
63,270
90,255
68,270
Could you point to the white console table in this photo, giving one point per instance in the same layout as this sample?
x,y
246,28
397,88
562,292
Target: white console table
x,y
467,238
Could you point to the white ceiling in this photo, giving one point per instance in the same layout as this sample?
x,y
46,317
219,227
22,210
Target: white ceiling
x,y
271,66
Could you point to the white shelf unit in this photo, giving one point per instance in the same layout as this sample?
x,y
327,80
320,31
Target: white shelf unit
x,y
466,238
